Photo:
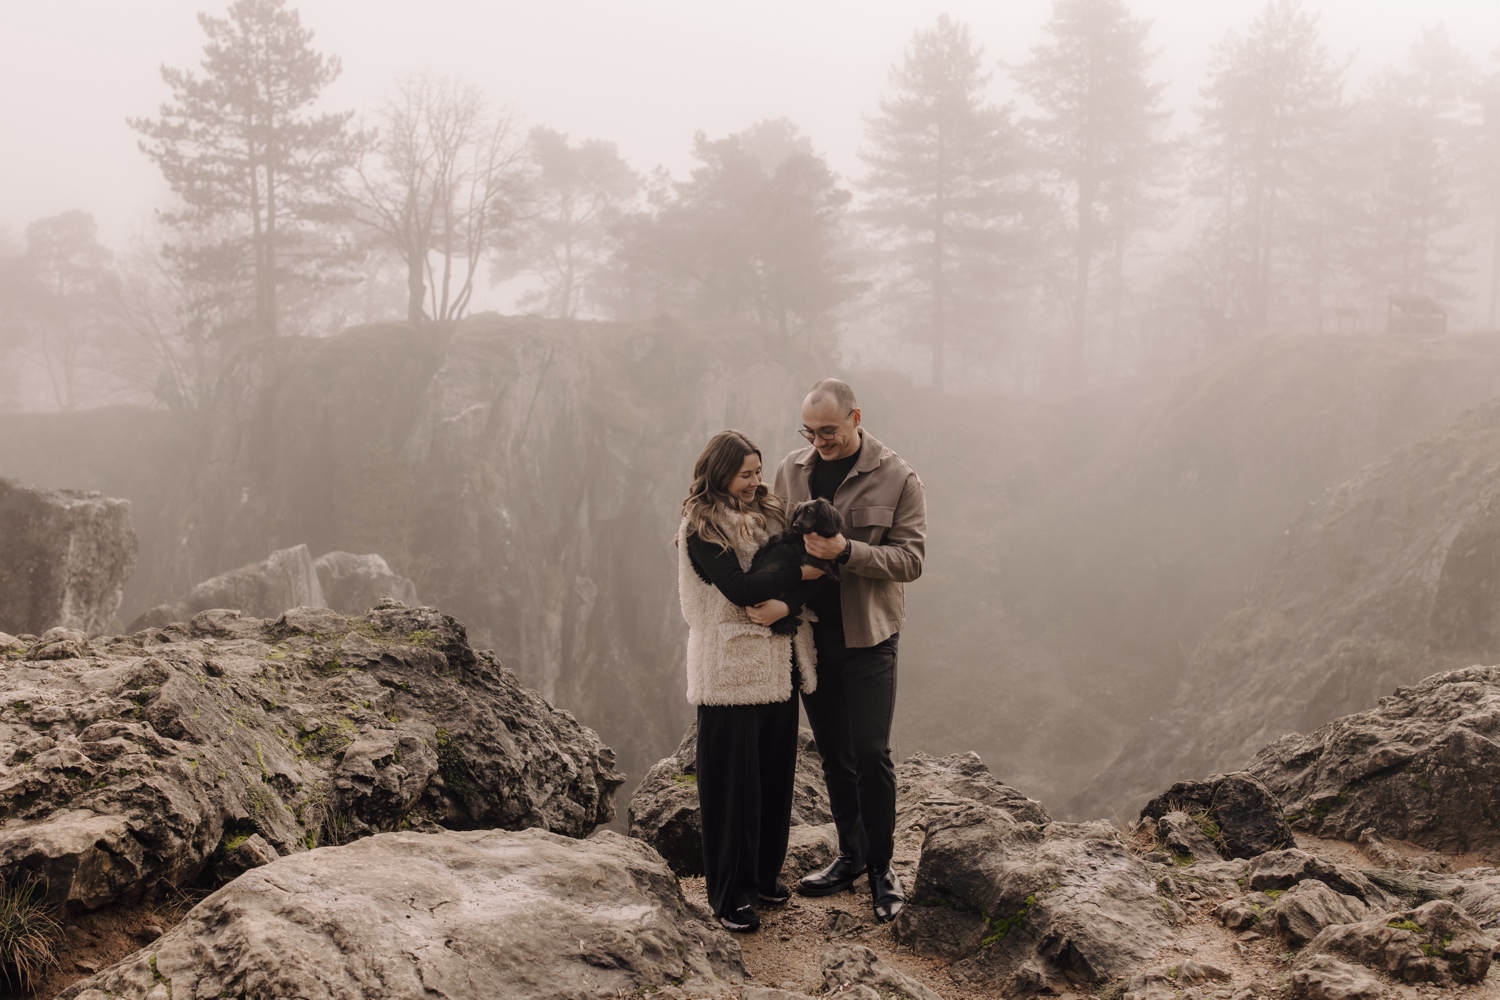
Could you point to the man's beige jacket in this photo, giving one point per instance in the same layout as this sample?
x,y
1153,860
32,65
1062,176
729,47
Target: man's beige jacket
x,y
885,513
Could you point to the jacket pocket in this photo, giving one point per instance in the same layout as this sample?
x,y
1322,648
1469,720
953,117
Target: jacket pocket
x,y
869,524
745,644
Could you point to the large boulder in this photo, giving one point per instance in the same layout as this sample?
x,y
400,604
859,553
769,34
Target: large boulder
x,y
1026,907
408,915
1436,942
664,807
1237,815
353,584
64,558
1423,766
287,578
149,758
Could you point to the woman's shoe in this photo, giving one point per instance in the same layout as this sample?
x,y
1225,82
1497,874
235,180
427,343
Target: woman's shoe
x,y
777,896
741,921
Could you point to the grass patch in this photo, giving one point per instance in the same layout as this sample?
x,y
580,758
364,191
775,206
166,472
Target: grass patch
x,y
685,779
1405,925
29,934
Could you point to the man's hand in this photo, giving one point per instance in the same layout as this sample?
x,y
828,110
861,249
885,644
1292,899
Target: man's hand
x,y
824,548
767,612
811,573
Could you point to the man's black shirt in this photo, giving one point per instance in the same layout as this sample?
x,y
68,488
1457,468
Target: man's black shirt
x,y
823,595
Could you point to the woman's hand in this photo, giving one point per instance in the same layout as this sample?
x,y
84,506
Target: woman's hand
x,y
767,612
811,572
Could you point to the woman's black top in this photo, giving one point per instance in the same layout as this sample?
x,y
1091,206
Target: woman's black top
x,y
721,567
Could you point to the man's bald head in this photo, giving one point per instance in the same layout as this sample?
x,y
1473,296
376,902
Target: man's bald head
x,y
837,389
830,419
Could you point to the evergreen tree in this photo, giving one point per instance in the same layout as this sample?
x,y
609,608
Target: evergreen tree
x,y
579,195
1099,130
1269,127
757,230
248,158
1412,127
943,192
1486,163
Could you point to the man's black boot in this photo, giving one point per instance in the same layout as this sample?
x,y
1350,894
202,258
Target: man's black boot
x,y
887,895
835,878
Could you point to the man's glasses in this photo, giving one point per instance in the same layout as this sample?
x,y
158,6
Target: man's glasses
x,y
822,433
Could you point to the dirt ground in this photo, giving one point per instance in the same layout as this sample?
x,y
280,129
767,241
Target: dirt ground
x,y
787,951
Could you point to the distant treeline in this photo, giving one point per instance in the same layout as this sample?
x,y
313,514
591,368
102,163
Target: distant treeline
x,y
1067,232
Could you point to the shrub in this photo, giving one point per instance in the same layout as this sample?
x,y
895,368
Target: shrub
x,y
29,934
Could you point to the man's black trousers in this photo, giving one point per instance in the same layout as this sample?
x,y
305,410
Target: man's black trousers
x,y
747,764
850,714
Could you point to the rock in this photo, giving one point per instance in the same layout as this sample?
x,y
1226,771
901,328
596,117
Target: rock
x,y
64,558
59,644
1183,837
1308,907
1423,766
285,579
1238,813
1015,904
354,584
1280,870
1480,898
855,965
407,915
1163,982
1244,913
664,807
241,854
928,786
1323,977
1436,942
809,849
218,745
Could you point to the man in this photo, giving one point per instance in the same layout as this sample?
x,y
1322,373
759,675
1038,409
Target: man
x,y
859,622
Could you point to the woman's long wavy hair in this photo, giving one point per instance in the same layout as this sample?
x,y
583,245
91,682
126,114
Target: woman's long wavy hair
x,y
709,499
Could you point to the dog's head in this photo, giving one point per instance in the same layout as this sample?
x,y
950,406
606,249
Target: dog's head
x,y
818,517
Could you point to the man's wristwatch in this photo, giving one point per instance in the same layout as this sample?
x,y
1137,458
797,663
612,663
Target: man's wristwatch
x,y
844,555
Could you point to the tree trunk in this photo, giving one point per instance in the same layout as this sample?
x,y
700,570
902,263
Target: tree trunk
x,y
416,290
1083,248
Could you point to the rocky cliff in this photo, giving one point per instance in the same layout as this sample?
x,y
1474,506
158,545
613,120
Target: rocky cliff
x,y
1379,582
64,558
525,475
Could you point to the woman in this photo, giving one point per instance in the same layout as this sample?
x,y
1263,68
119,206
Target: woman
x,y
741,676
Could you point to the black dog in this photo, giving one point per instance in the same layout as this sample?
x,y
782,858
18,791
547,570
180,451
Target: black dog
x,y
787,549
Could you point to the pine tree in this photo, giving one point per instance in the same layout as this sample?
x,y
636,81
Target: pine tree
x,y
943,192
1270,122
1099,129
251,163
1487,173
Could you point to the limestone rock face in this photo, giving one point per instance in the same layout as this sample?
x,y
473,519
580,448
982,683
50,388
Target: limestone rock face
x,y
1236,812
354,584
285,579
458,914
1423,766
664,806
134,759
1025,907
1308,907
1323,977
1436,942
64,558
928,786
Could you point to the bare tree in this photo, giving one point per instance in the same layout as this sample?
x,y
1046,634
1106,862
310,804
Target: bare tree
x,y
580,194
448,176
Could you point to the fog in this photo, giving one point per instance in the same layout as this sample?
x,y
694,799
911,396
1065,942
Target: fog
x,y
1149,349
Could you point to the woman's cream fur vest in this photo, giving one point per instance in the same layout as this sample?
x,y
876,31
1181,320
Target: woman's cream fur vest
x,y
730,659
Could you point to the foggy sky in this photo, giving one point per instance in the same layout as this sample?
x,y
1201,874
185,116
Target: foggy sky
x,y
643,73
